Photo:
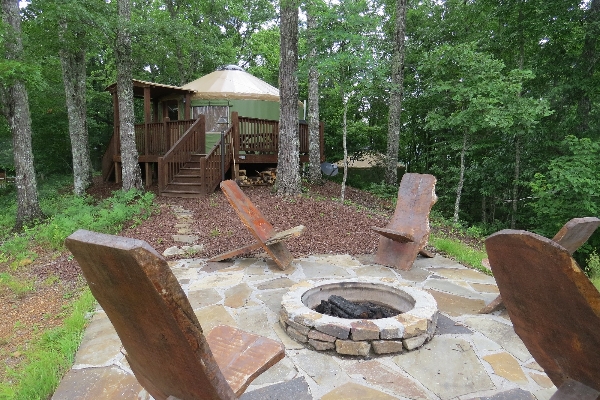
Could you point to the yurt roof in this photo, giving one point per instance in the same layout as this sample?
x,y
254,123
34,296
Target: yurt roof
x,y
230,83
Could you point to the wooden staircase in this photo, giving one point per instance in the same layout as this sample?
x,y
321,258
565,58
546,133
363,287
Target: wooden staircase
x,y
188,182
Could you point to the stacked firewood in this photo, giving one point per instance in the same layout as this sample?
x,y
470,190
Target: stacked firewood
x,y
266,177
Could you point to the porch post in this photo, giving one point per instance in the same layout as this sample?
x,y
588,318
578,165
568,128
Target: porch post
x,y
187,106
235,126
147,117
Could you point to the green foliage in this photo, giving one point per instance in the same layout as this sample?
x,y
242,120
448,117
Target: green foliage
x,y
16,286
67,213
49,357
570,188
383,190
460,252
592,268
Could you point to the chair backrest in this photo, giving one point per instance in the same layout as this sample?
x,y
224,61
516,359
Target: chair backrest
x,y
247,211
165,346
416,197
576,232
553,306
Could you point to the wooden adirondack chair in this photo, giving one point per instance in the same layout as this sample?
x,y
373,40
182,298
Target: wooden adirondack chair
x,y
264,233
553,306
164,343
407,233
571,236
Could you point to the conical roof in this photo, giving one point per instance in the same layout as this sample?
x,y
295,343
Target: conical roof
x,y
230,83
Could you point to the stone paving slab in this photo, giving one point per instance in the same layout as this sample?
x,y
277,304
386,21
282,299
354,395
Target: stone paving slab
x,y
471,356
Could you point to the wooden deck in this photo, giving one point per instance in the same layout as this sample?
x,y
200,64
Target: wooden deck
x,y
174,153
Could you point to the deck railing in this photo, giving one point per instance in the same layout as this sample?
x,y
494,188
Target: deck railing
x,y
160,137
211,164
191,142
258,135
261,136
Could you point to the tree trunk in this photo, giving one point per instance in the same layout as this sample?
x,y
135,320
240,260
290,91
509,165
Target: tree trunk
x,y
288,167
588,63
394,122
461,178
15,107
314,142
515,191
344,136
132,176
74,74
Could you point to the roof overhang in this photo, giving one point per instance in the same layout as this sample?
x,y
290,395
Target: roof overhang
x,y
157,90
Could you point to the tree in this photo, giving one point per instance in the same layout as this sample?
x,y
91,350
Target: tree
x,y
132,176
351,68
391,171
314,144
73,25
471,96
15,107
569,188
288,167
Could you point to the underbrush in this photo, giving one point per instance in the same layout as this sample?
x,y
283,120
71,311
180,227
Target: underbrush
x,y
50,354
593,269
48,358
65,214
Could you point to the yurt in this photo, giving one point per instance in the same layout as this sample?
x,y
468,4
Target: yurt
x,y
229,89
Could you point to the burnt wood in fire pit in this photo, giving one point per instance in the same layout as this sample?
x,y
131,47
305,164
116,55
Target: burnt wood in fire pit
x,y
337,306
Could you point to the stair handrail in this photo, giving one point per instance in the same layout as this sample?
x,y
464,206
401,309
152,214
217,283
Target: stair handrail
x,y
192,141
109,154
211,163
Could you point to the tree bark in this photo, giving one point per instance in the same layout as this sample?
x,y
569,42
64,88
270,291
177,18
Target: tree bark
x,y
344,137
515,191
461,178
132,176
288,167
394,122
314,142
15,107
74,78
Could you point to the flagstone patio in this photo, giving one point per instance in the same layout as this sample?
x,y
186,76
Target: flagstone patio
x,y
471,356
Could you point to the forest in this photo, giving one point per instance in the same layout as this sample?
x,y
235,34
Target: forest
x,y
499,99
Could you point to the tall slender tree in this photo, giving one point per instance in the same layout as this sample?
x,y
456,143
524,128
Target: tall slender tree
x,y
72,34
393,137
288,167
15,107
132,176
314,144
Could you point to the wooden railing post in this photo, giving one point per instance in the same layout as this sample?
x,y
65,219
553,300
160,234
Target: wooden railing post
x,y
167,133
161,176
202,136
235,125
203,180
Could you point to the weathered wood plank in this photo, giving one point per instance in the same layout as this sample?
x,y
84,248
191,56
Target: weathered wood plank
x,y
407,233
553,306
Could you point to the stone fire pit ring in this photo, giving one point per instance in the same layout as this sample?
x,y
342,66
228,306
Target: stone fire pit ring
x,y
406,331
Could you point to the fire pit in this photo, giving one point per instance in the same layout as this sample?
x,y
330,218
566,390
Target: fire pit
x,y
406,331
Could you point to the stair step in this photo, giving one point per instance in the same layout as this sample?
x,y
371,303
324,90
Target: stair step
x,y
187,195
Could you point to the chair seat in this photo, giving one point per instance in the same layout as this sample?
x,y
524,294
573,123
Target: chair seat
x,y
242,356
400,237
